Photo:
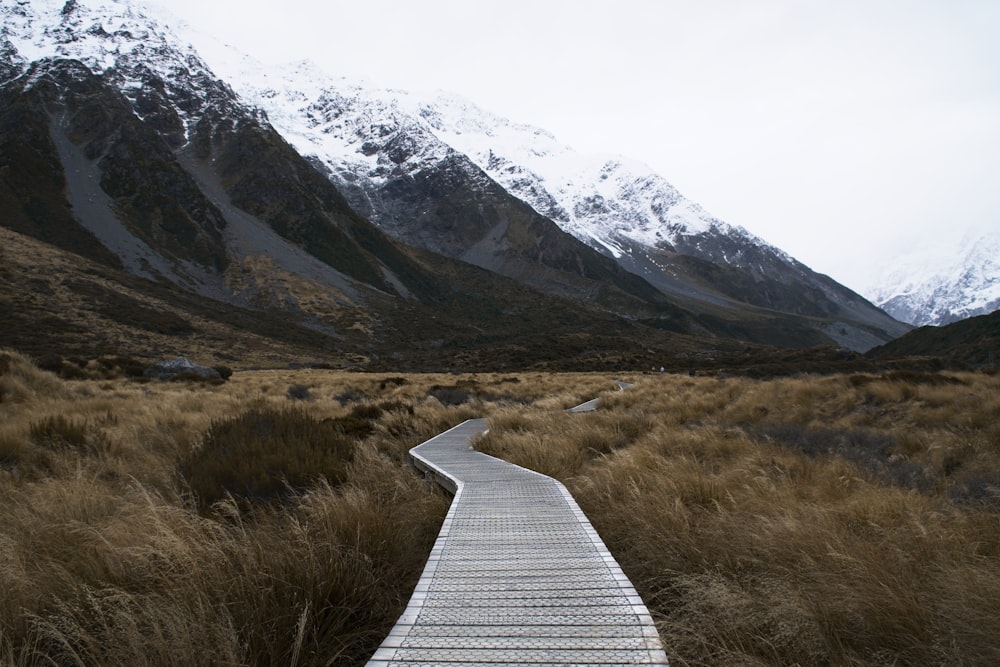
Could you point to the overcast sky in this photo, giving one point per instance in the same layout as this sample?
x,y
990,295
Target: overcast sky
x,y
845,132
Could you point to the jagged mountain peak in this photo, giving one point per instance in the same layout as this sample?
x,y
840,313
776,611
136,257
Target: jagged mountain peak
x,y
132,49
330,119
594,197
97,32
453,114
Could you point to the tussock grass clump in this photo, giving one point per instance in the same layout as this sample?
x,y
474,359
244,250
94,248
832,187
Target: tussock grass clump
x,y
349,396
100,368
21,380
265,452
450,394
470,391
558,444
529,447
299,392
58,432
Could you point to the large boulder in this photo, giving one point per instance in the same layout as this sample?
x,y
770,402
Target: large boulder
x,y
181,368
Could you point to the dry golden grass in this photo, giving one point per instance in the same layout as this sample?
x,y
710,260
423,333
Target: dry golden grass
x,y
109,556
839,520
842,520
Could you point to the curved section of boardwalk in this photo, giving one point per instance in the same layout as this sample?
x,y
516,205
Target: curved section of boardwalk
x,y
517,576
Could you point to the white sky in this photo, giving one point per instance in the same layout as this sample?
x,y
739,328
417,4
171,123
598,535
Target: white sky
x,y
845,132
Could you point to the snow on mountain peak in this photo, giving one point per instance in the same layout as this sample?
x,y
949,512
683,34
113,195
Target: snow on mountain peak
x,y
97,32
938,287
339,122
391,152
134,50
594,197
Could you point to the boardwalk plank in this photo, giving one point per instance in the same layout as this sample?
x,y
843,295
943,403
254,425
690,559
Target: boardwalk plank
x,y
518,576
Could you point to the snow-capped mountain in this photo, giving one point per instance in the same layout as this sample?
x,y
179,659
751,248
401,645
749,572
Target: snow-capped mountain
x,y
609,202
120,147
136,53
940,288
602,200
248,189
129,150
386,149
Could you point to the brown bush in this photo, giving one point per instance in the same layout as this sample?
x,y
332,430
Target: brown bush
x,y
263,454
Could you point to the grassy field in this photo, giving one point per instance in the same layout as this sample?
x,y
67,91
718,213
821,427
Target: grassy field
x,y
271,519
267,520
841,520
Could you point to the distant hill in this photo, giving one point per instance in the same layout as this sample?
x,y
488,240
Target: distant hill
x,y
973,343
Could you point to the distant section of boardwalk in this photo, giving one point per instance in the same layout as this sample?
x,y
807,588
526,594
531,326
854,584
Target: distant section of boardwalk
x,y
517,576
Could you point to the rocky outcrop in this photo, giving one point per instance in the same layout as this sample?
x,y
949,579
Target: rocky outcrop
x,y
179,369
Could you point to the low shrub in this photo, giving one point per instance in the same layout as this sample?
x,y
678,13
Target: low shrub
x,y
350,396
395,406
392,382
264,453
367,411
450,394
196,378
106,367
299,392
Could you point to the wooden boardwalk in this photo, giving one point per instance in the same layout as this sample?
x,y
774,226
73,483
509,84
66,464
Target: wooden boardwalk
x,y
517,576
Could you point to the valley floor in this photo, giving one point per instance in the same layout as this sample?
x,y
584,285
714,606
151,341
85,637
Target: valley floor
x,y
814,520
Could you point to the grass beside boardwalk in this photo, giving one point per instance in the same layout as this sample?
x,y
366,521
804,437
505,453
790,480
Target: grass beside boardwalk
x,y
815,520
841,520
266,520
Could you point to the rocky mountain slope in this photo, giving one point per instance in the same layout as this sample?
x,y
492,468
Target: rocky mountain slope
x,y
405,160
120,146
139,148
942,289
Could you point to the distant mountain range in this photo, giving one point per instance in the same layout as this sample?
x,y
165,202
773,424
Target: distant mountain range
x,y
373,224
943,287
397,155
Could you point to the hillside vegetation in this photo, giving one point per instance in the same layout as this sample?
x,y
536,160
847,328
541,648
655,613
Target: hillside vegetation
x,y
972,343
271,519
